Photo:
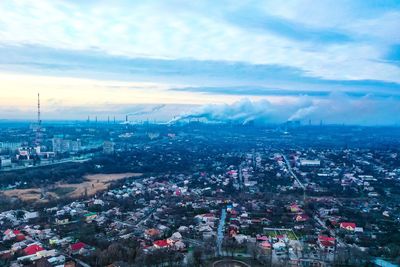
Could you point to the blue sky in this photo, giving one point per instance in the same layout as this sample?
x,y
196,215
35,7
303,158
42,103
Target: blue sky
x,y
195,55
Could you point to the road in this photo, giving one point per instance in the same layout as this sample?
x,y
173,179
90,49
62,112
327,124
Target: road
x,y
138,223
220,231
240,177
292,173
340,243
146,217
58,162
316,218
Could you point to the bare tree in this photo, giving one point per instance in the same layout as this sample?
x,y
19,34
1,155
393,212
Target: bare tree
x,y
198,255
252,249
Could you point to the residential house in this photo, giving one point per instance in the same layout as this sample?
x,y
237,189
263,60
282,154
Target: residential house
x,y
349,226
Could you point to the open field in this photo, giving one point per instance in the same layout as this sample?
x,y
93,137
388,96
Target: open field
x,y
90,186
95,183
31,194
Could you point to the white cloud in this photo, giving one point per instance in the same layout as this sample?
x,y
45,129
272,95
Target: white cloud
x,y
181,30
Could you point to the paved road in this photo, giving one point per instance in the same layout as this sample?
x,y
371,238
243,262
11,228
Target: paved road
x,y
332,233
146,217
63,161
240,177
138,223
220,231
292,173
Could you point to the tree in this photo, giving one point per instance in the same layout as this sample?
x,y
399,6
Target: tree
x,y
198,255
20,214
252,250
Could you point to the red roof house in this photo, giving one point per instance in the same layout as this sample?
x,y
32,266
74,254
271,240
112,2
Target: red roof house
x,y
32,249
265,245
262,238
162,243
20,237
17,232
301,218
77,246
348,226
327,243
152,232
11,233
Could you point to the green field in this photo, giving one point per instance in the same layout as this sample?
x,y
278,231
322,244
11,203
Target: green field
x,y
273,233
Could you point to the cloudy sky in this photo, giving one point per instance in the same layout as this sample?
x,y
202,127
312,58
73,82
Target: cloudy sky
x,y
337,61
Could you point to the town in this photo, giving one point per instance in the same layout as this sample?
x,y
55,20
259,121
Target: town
x,y
117,193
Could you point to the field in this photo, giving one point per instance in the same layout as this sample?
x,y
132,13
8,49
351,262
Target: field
x,y
92,184
273,232
31,194
95,183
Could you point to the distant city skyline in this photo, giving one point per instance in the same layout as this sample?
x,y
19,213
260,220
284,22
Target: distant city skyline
x,y
272,61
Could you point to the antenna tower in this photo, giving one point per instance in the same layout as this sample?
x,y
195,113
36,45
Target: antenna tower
x,y
39,122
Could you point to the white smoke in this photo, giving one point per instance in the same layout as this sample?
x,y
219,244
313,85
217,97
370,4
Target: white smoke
x,y
243,111
147,111
338,108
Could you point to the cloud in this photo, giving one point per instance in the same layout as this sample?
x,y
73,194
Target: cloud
x,y
216,76
355,90
255,20
251,91
393,54
338,108
328,40
214,51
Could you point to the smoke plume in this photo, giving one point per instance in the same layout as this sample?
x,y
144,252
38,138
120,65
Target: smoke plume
x,y
148,111
337,108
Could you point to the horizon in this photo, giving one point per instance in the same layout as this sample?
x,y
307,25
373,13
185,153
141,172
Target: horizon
x,y
104,122
264,62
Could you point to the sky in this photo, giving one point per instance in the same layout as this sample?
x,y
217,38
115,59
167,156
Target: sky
x,y
268,61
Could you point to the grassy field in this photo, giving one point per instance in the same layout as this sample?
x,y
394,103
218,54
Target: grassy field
x,y
273,233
